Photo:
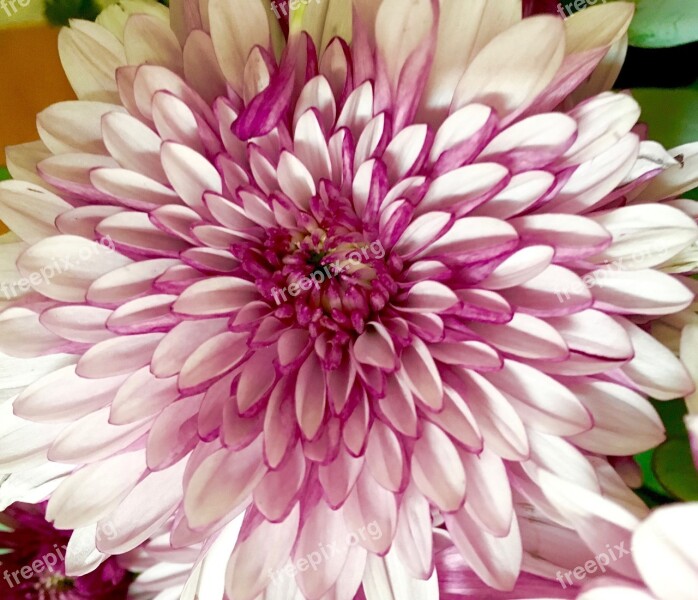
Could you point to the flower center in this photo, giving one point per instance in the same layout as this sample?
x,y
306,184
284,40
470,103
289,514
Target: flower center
x,y
329,280
54,587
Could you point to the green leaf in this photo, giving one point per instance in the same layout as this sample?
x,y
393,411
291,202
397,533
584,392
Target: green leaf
x,y
59,12
4,174
672,414
664,23
673,465
672,115
650,481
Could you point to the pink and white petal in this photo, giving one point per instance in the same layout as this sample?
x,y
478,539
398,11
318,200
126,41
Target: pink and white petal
x,y
79,396
667,230
591,182
118,355
655,370
23,444
338,477
173,434
74,263
496,560
138,517
310,146
221,483
92,438
524,336
149,40
572,236
489,500
121,284
190,174
32,485
375,347
215,357
323,527
457,420
387,578
385,458
471,239
399,33
295,180
644,292
140,396
625,423
437,469
374,508
464,29
235,31
422,374
81,555
22,161
601,120
519,267
533,142
543,403
134,232
662,548
421,232
133,144
132,189
310,397
279,423
201,68
74,126
22,335
514,67
277,492
207,578
143,315
17,373
501,427
317,94
595,334
257,377
92,492
357,111
554,292
675,180
523,191
555,455
261,554
463,189
216,296
90,55
414,543
599,521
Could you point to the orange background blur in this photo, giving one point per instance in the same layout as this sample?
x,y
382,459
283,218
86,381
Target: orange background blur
x,y
31,78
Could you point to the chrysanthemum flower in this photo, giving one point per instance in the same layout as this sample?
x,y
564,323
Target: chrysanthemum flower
x,y
34,567
332,281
